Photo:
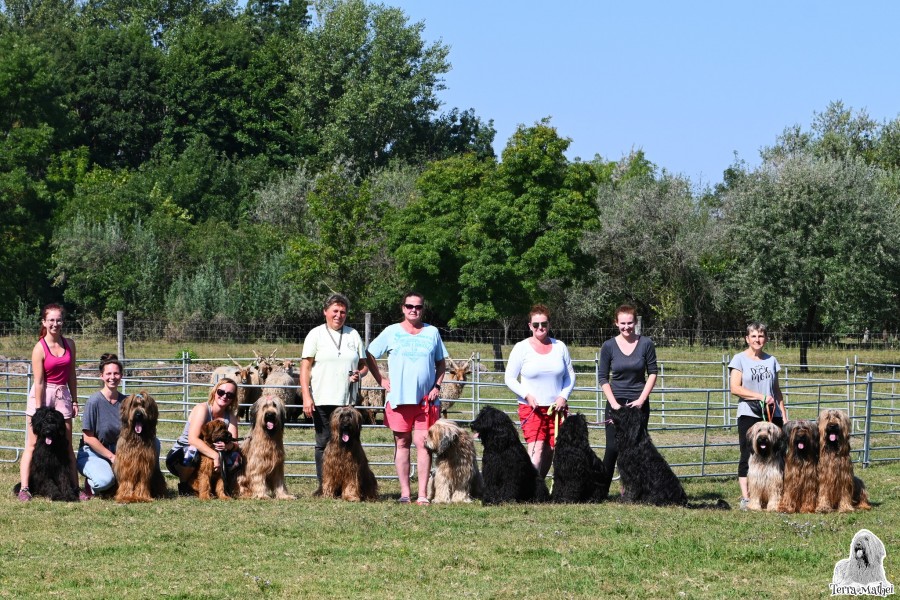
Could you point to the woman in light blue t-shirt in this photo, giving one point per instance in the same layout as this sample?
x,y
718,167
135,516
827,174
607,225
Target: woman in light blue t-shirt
x,y
416,366
754,379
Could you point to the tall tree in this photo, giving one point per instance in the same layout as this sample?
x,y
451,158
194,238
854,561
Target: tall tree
x,y
815,243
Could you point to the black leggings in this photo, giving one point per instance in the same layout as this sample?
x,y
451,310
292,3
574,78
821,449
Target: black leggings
x,y
612,448
322,424
744,425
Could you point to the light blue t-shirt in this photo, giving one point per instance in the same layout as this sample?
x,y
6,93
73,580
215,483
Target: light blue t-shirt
x,y
411,361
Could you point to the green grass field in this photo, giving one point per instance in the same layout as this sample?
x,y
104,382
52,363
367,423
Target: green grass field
x,y
184,548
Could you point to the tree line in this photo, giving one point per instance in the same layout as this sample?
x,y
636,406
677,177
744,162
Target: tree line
x,y
195,160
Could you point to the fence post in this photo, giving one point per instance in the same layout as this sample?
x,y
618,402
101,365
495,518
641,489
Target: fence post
x,y
476,397
598,392
868,434
186,378
662,380
705,438
726,393
120,333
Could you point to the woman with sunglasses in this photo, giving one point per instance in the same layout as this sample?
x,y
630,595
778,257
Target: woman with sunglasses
x,y
540,373
416,366
627,376
184,456
101,423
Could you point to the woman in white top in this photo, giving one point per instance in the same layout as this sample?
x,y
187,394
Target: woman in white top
x,y
540,373
333,360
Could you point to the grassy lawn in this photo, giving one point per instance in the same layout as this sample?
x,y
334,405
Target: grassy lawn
x,y
316,548
184,548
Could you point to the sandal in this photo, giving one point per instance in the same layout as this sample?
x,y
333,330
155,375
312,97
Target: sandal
x,y
423,501
403,500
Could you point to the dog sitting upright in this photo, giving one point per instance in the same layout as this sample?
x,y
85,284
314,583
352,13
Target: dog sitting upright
x,y
577,472
345,468
51,464
766,474
509,475
205,479
456,477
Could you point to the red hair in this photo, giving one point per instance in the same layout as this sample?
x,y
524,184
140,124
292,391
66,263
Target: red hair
x,y
44,312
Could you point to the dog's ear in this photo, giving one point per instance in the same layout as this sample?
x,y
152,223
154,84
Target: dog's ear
x,y
152,408
282,412
449,438
37,420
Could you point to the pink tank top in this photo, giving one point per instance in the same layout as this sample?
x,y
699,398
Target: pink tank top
x,y
56,368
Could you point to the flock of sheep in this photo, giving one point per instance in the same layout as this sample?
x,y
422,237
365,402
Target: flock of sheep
x,y
268,375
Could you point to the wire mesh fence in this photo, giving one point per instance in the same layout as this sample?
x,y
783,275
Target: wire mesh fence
x,y
693,416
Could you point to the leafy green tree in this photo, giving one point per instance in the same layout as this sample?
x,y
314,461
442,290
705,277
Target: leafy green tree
x,y
656,248
815,243
116,94
364,82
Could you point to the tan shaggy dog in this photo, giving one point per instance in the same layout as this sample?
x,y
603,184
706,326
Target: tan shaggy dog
x,y
205,478
262,452
456,476
765,478
801,480
345,468
136,467
838,488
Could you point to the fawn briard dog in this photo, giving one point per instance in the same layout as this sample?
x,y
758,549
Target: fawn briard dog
x,y
801,468
136,467
345,469
205,479
51,464
838,488
765,479
456,476
262,452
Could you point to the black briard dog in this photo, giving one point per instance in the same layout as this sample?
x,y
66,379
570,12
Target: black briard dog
x,y
51,463
577,472
508,474
646,476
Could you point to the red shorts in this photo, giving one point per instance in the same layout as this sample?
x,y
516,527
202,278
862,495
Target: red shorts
x,y
407,417
537,425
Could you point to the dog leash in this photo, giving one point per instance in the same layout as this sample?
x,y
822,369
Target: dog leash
x,y
556,414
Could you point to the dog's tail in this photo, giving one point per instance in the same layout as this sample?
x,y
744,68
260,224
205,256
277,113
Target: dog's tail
x,y
17,488
719,504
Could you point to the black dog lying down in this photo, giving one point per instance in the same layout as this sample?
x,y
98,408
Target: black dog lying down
x,y
51,463
646,476
578,474
507,471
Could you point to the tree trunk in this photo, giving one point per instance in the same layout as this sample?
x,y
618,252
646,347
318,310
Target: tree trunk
x,y
808,329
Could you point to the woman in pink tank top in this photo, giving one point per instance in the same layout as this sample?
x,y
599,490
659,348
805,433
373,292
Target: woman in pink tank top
x,y
55,386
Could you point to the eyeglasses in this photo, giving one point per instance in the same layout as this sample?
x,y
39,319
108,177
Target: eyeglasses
x,y
541,325
413,306
223,394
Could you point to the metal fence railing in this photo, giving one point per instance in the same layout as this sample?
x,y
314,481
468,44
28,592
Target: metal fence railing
x,y
692,421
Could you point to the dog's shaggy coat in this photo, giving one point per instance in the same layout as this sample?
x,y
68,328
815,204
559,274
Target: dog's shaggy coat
x,y
838,488
456,476
508,474
345,468
138,476
261,474
646,476
51,464
765,477
866,562
205,478
801,479
577,472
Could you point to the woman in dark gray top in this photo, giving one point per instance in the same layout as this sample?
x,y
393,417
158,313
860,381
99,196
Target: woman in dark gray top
x,y
624,361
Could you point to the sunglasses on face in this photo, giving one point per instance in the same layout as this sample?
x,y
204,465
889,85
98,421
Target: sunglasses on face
x,y
541,325
413,306
223,394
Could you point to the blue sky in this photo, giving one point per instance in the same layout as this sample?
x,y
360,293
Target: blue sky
x,y
688,82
